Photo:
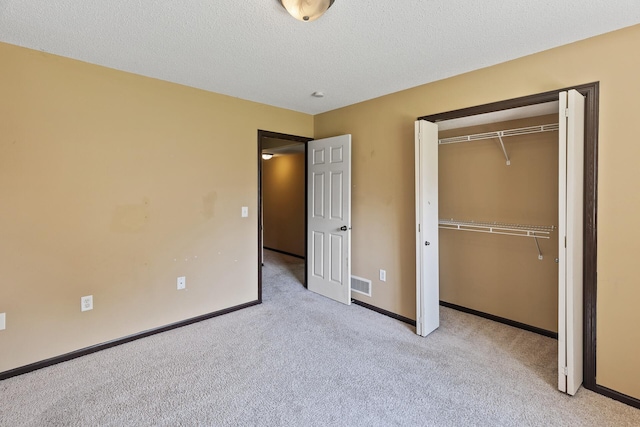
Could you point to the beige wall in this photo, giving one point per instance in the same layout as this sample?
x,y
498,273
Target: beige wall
x,y
383,201
113,185
283,203
495,274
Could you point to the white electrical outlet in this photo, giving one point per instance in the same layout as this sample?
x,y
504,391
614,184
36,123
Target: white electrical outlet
x,y
86,303
383,276
3,321
182,282
245,212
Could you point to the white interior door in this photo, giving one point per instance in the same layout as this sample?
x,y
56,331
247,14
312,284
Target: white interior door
x,y
570,213
427,247
329,217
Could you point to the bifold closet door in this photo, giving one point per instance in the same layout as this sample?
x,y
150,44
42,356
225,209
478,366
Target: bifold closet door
x,y
570,240
427,246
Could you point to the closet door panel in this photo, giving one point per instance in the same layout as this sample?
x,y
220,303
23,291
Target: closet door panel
x,y
427,247
575,195
562,233
570,271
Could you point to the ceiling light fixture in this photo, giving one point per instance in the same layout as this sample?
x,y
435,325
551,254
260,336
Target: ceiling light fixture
x,y
306,10
266,156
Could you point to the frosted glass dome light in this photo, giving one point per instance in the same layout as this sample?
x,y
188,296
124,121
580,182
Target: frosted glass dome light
x,y
306,10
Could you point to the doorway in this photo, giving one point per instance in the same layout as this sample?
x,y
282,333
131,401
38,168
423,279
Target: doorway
x,y
290,150
589,207
327,210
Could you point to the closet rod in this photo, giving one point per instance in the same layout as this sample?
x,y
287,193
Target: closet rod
x,y
500,134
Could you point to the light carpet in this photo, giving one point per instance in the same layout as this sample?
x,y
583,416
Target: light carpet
x,y
300,359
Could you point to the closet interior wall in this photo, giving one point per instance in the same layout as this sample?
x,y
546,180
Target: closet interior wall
x,y
498,274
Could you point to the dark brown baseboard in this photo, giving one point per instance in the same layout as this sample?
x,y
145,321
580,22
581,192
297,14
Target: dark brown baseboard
x,y
103,346
385,312
499,319
616,395
284,252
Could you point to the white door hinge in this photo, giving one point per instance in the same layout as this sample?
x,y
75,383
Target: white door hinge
x,y
566,112
565,371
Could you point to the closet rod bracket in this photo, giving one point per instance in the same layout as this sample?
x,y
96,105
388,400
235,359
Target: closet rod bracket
x,y
538,246
504,150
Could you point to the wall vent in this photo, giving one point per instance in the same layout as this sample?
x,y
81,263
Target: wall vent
x,y
360,285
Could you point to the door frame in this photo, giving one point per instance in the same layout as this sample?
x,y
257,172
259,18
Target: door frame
x,y
293,138
590,206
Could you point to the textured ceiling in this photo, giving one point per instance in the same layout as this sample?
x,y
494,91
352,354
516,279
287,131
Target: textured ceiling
x,y
252,49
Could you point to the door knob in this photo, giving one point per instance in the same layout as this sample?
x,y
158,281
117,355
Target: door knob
x,y
343,228
427,243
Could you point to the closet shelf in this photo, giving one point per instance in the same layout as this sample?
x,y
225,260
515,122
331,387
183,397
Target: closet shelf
x,y
500,134
521,230
537,231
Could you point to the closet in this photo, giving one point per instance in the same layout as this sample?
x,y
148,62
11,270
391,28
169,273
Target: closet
x,y
497,196
498,219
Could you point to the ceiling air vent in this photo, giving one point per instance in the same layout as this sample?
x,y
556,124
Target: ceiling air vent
x,y
360,285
